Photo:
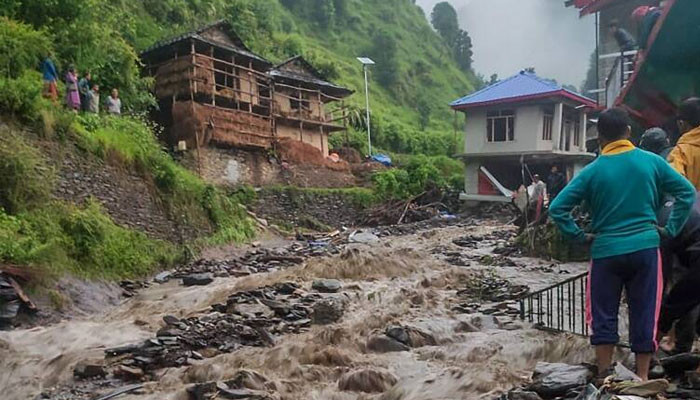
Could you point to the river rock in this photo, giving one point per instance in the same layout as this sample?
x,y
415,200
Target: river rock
x,y
197,279
410,336
128,373
163,277
363,237
367,381
327,285
247,379
385,344
465,326
88,370
327,311
519,394
555,379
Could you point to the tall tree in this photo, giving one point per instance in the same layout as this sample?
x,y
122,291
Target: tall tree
x,y
444,20
462,49
384,52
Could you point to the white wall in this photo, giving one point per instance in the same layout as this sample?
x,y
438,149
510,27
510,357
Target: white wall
x,y
528,131
529,123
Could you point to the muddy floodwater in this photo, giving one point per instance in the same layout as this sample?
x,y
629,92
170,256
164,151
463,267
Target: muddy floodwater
x,y
415,281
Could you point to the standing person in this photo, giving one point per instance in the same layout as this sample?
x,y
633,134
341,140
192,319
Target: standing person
x,y
48,70
555,183
72,94
114,103
93,100
646,18
681,257
685,157
84,87
625,237
624,39
656,141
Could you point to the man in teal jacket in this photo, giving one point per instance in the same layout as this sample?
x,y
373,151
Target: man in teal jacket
x,y
624,189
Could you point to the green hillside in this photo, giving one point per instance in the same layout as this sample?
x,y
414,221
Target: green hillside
x,y
414,80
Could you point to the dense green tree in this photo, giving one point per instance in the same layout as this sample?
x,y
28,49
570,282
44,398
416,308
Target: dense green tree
x,y
425,109
324,12
462,49
444,20
384,52
493,79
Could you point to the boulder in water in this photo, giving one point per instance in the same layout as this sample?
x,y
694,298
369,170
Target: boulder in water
x,y
197,279
367,381
556,379
326,285
385,344
327,311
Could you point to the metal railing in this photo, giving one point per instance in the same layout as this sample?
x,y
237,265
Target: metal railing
x,y
619,75
559,308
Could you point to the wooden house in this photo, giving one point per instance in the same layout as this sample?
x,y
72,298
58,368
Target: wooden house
x,y
301,94
212,90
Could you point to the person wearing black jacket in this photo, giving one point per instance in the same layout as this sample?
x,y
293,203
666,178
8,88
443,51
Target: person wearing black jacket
x,y
555,183
682,303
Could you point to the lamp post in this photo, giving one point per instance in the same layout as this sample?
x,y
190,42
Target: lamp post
x,y
366,62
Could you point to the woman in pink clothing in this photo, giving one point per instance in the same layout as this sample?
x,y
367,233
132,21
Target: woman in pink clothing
x,y
72,94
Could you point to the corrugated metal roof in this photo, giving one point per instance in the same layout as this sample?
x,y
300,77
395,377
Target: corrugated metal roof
x,y
516,88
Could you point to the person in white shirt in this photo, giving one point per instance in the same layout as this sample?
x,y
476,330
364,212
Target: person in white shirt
x,y
114,103
93,99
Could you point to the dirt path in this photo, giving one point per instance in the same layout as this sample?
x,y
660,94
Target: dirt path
x,y
400,281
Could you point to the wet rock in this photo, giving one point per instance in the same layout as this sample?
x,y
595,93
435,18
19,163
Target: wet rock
x,y
327,311
128,373
677,364
465,326
248,379
171,320
556,379
88,370
485,322
519,394
399,333
385,344
410,336
363,237
163,277
327,285
367,381
8,311
197,279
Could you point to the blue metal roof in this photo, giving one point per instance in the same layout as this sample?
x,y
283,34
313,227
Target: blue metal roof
x,y
524,84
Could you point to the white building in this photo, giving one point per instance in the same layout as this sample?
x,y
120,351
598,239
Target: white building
x,y
519,127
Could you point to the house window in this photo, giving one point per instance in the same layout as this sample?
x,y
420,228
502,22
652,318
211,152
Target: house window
x,y
301,105
500,126
577,134
548,125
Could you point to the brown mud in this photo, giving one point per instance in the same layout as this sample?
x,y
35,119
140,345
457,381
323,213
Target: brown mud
x,y
419,287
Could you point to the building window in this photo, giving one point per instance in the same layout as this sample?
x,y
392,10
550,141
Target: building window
x,y
548,125
500,126
577,134
299,101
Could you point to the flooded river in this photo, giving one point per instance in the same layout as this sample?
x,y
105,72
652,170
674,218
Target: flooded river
x,y
403,281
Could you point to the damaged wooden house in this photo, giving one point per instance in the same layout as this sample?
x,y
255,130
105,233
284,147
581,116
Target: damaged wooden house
x,y
519,127
218,98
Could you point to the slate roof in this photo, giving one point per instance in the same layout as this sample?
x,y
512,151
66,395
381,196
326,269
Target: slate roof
x,y
239,47
314,77
520,87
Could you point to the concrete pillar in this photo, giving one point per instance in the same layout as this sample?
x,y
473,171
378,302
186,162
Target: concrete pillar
x,y
557,125
466,150
584,120
471,177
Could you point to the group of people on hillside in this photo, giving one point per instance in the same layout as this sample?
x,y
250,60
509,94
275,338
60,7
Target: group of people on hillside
x,y
82,94
645,229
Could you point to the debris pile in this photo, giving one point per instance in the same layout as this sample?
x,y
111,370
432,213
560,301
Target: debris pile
x,y
488,287
13,300
561,381
250,318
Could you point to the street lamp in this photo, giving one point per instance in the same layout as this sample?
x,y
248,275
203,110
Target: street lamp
x,y
366,62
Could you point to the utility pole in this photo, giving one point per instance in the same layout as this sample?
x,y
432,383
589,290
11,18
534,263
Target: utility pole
x,y
366,62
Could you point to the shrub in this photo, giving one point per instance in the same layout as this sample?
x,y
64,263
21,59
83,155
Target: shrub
x,y
25,179
21,97
21,47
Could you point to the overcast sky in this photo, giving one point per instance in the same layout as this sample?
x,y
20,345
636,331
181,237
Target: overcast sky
x,y
509,35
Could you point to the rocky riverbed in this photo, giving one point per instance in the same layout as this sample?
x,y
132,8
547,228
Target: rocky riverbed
x,y
377,315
